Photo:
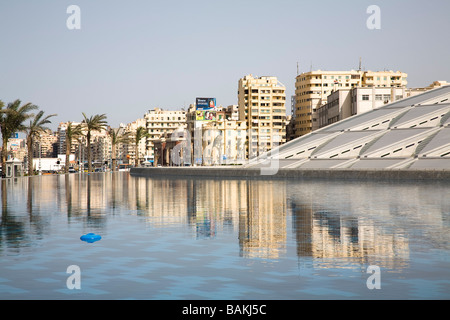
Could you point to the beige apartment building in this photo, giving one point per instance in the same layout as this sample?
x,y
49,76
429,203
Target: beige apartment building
x,y
262,105
61,137
159,122
312,89
46,146
224,142
345,103
219,141
127,151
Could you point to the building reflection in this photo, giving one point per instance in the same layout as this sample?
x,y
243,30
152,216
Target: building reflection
x,y
339,226
262,227
326,236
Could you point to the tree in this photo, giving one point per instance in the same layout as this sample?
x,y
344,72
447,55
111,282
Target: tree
x,y
33,130
72,132
94,123
116,138
12,120
141,132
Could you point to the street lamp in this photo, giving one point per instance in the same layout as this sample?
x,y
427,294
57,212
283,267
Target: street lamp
x,y
40,171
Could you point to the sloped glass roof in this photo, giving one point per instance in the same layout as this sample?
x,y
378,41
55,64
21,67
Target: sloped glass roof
x,y
391,136
442,138
375,163
343,140
322,164
423,113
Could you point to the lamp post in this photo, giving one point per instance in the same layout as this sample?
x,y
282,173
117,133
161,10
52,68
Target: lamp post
x,y
40,171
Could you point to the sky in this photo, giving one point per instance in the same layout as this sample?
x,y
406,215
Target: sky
x,y
132,56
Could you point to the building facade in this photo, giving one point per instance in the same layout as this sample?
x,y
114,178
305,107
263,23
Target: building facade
x,y
47,145
262,105
345,103
312,89
126,152
159,122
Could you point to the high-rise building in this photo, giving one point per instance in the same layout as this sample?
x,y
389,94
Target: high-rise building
x,y
61,137
158,122
312,89
46,146
262,104
128,149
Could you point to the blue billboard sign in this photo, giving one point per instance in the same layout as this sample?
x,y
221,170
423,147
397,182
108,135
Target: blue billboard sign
x,y
205,103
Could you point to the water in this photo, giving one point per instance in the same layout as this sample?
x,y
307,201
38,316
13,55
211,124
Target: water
x,y
228,239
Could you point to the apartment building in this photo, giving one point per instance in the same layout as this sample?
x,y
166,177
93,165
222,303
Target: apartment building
x,y
101,147
158,122
127,151
345,103
46,146
312,89
224,142
61,137
262,105
221,140
16,148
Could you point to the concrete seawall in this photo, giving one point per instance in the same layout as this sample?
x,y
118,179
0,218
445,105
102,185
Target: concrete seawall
x,y
328,174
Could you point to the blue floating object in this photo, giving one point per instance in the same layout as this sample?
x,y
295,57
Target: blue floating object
x,y
90,237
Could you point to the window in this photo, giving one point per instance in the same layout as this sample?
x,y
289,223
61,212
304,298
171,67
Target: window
x,y
365,97
379,97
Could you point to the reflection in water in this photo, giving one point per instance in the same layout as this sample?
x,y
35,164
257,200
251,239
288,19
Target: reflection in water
x,y
327,235
364,223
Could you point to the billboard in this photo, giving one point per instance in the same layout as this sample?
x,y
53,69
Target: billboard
x,y
205,103
202,115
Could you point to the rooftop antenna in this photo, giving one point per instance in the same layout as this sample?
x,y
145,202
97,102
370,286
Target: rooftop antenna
x,y
297,69
310,69
359,63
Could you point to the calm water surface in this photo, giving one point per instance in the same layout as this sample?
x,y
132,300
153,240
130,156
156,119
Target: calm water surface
x,y
227,239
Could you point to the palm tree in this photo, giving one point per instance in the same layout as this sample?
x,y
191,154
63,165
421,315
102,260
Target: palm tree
x,y
116,138
72,132
33,130
94,123
141,132
11,120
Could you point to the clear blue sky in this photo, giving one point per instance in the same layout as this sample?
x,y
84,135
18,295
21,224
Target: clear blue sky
x,y
131,56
